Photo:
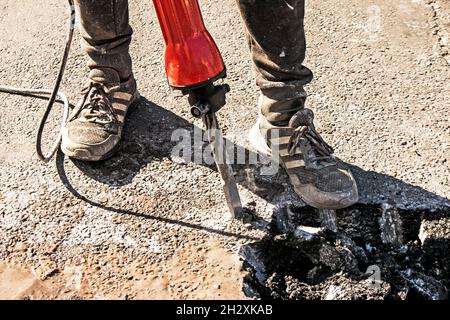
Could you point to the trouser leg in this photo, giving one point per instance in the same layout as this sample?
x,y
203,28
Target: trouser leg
x,y
106,34
275,32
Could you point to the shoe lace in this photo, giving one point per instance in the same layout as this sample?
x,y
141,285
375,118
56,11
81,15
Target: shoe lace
x,y
305,130
99,108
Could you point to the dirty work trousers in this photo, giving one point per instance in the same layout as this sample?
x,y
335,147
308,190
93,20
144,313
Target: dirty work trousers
x,y
275,34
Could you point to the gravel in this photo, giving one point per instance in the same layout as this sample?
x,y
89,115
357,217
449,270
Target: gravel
x,y
115,229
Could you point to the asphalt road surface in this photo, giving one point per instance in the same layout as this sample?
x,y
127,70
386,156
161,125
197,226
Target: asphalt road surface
x,y
145,224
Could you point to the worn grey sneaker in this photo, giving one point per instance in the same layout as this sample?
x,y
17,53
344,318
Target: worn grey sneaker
x,y
95,125
321,180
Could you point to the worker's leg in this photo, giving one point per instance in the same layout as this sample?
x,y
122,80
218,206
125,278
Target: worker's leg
x,y
95,126
286,130
106,34
277,42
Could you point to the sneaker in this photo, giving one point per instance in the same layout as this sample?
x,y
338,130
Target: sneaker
x,y
95,125
321,180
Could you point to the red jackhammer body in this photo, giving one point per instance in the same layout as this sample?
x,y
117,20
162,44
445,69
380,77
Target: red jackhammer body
x,y
193,63
191,56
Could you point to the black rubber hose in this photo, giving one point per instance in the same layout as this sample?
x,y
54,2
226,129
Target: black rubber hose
x,y
54,93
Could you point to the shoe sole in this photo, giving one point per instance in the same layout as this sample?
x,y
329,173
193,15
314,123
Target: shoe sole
x,y
258,142
76,154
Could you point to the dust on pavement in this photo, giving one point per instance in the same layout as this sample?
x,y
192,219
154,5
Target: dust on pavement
x,y
146,225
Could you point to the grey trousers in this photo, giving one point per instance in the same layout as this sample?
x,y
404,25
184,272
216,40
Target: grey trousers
x,y
275,34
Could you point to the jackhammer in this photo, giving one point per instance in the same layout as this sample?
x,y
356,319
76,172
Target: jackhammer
x,y
193,64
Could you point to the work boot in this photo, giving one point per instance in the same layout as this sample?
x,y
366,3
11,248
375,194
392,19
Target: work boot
x,y
94,128
321,180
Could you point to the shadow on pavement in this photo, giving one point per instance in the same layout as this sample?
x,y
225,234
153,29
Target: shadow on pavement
x,y
148,137
65,180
